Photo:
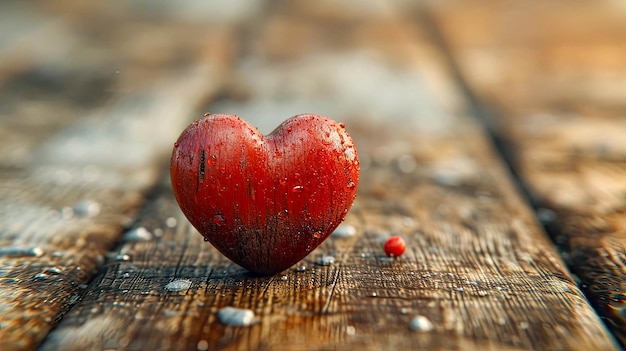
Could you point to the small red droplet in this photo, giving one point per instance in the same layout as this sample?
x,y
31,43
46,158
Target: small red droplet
x,y
317,235
297,189
342,125
176,144
211,160
395,246
219,220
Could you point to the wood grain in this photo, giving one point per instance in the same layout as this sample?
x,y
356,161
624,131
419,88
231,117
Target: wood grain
x,y
478,265
80,150
555,90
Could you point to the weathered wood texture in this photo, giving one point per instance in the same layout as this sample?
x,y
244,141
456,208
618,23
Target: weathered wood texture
x,y
478,266
83,132
555,77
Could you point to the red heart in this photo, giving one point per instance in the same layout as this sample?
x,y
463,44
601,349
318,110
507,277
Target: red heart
x,y
265,202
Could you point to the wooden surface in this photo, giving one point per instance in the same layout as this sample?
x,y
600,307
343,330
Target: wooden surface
x,y
557,98
87,124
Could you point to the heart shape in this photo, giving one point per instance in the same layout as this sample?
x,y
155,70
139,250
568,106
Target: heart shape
x,y
265,202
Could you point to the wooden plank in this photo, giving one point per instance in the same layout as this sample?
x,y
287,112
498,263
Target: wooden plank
x,y
63,211
559,98
70,183
479,270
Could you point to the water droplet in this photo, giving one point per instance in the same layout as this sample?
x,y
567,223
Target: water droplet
x,y
421,324
176,144
282,181
301,268
171,222
171,313
297,189
317,235
458,289
219,220
404,310
206,239
54,270
87,208
238,317
207,114
179,285
325,260
350,330
121,258
284,278
21,252
344,231
41,276
222,169
203,345
138,234
211,160
350,185
341,125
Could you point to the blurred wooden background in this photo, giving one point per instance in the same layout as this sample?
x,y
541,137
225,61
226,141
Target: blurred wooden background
x,y
492,137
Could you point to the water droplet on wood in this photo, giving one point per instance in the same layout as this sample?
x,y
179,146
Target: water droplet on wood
x,y
344,231
20,252
171,222
178,285
236,316
325,261
203,345
121,258
54,270
87,208
138,234
421,324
